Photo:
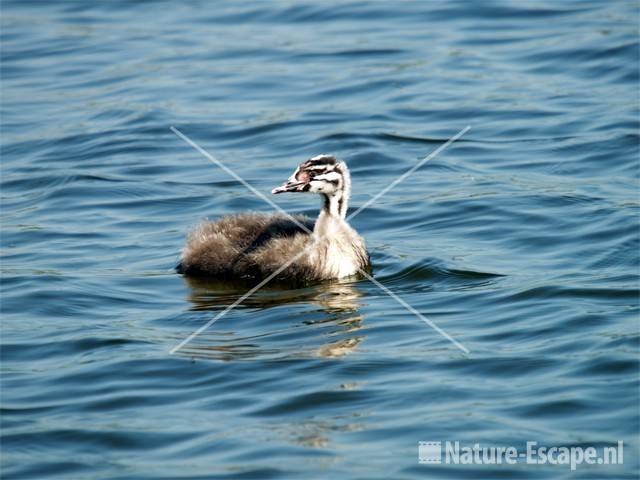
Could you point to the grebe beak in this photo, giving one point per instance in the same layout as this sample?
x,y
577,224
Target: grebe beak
x,y
290,186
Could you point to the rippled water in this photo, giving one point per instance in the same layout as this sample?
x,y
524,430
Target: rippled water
x,y
521,240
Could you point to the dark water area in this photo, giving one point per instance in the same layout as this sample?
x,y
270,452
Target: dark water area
x,y
521,240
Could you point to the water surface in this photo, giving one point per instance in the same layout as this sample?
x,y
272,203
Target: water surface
x,y
521,240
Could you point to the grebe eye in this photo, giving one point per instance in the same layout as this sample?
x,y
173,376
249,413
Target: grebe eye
x,y
303,176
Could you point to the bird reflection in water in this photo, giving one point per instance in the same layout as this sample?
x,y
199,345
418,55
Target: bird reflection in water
x,y
327,326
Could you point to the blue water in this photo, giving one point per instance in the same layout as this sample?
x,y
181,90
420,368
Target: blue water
x,y
521,240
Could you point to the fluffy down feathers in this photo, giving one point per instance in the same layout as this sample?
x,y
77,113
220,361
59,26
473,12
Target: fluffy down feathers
x,y
249,245
253,246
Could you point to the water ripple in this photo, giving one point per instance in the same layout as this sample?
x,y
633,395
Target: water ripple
x,y
520,241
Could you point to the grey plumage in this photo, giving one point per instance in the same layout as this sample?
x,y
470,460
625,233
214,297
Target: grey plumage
x,y
254,246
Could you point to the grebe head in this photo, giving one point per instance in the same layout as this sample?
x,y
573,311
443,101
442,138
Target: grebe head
x,y
325,175
321,174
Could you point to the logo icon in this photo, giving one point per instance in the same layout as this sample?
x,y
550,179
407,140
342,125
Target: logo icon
x,y
430,452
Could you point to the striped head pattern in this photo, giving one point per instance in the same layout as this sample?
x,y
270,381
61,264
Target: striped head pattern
x,y
322,174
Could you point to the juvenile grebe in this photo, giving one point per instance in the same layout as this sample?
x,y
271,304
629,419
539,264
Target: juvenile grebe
x,y
254,246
